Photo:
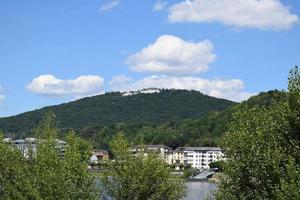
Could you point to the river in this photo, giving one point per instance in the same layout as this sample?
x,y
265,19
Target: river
x,y
199,190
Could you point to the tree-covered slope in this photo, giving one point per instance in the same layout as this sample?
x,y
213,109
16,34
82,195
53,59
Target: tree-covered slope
x,y
202,131
266,98
112,108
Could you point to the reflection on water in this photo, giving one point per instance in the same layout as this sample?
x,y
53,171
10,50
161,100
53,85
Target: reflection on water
x,y
199,190
195,190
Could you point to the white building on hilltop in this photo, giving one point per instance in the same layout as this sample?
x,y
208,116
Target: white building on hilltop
x,y
143,91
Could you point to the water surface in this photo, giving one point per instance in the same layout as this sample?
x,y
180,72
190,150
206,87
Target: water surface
x,y
199,190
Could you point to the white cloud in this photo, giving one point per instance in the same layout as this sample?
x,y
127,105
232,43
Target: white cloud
x,y
109,6
160,5
262,14
172,55
81,86
231,89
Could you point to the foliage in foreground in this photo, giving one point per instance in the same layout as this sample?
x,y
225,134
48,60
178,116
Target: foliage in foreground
x,y
139,177
219,165
262,150
47,174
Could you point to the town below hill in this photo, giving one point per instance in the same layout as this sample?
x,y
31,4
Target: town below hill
x,y
182,158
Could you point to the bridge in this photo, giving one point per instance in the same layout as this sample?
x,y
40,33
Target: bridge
x,y
204,174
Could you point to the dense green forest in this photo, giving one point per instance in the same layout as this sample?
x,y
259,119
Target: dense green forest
x,y
203,131
172,117
112,108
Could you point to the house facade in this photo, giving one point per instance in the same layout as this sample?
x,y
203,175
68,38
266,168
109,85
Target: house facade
x,y
165,152
201,157
99,156
29,146
178,156
197,157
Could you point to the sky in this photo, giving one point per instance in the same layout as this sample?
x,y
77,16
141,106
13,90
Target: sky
x,y
58,51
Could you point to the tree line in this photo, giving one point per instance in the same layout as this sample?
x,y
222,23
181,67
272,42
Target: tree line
x,y
262,149
45,173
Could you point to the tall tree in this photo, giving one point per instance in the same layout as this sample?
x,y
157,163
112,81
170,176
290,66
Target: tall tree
x,y
52,172
61,171
15,174
79,183
294,101
261,149
139,177
47,165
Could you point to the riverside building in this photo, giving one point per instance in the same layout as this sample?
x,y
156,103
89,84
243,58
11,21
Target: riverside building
x,y
201,157
163,151
29,146
196,157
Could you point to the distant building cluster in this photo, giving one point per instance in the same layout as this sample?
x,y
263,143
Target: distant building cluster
x,y
29,145
196,157
143,91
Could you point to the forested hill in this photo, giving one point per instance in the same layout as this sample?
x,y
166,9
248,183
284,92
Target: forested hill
x,y
203,131
114,107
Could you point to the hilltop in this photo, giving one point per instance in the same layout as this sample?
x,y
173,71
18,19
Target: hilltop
x,y
150,106
171,117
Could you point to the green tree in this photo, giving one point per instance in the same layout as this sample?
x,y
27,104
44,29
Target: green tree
x,y
15,176
261,149
218,164
78,182
294,101
47,165
139,177
61,171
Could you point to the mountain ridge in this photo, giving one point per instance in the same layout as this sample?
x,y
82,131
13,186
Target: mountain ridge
x,y
115,107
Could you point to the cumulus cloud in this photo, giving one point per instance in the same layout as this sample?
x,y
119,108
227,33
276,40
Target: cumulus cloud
x,y
109,6
172,55
261,14
160,5
52,86
231,89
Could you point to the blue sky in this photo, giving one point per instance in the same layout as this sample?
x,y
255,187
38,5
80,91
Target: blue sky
x,y
61,50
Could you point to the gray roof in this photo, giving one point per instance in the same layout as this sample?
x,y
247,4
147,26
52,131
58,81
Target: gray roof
x,y
179,149
99,151
203,149
152,146
19,141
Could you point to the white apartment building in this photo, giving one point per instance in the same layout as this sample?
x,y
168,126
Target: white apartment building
x,y
29,145
163,151
197,157
201,157
26,146
178,155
